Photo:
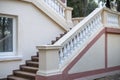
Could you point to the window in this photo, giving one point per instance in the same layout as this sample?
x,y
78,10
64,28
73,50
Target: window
x,y
7,35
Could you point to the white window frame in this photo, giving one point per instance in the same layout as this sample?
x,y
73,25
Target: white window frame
x,y
8,56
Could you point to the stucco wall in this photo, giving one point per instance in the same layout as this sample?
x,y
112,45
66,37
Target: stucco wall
x,y
34,28
93,59
113,50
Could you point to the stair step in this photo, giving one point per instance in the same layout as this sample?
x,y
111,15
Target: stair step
x,y
57,38
12,77
32,63
23,74
35,58
28,68
37,54
61,35
52,42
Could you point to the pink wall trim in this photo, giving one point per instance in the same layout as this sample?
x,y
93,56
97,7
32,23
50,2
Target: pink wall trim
x,y
63,1
84,51
66,76
106,62
93,72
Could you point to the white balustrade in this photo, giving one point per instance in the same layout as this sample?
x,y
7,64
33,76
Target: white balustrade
x,y
66,47
56,6
112,20
79,38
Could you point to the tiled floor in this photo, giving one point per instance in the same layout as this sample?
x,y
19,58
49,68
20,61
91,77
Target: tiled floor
x,y
111,77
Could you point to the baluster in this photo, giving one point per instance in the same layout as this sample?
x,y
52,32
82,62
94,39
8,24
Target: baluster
x,y
84,33
100,21
97,21
72,46
61,56
93,25
75,42
66,53
45,1
63,13
83,37
60,10
52,4
87,31
78,39
57,7
48,2
67,49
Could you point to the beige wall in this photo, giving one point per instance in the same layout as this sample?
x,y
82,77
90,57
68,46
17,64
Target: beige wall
x,y
113,50
34,28
93,59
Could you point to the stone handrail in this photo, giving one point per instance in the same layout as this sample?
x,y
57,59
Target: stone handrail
x,y
77,20
111,18
61,9
79,35
56,10
76,39
56,5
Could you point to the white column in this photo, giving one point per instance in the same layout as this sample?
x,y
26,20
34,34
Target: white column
x,y
68,16
48,60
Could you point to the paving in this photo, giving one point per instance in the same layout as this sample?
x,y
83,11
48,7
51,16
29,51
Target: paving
x,y
110,77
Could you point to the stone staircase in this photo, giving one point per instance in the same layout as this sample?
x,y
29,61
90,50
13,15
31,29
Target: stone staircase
x,y
29,69
110,77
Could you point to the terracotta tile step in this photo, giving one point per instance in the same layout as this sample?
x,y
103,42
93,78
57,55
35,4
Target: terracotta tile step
x,y
28,68
23,74
35,58
32,63
12,77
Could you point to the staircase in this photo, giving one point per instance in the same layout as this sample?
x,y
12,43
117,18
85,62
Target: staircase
x,y
27,71
75,40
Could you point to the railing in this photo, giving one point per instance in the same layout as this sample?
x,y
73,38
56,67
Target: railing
x,y
79,36
65,49
112,20
57,6
77,20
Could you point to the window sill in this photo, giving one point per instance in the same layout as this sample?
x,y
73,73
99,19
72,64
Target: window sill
x,y
10,58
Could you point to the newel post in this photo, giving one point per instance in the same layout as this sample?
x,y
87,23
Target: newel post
x,y
48,60
104,18
68,16
119,20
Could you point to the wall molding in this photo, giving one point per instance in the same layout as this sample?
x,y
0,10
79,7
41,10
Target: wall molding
x,y
66,76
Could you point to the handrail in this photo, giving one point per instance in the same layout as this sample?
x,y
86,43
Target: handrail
x,y
77,38
79,34
77,27
56,5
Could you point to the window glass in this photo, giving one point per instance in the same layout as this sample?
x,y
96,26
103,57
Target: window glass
x,y
6,34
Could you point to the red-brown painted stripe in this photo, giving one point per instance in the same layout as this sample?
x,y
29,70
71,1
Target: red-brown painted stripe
x,y
84,51
66,76
106,51
93,72
63,1
113,30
